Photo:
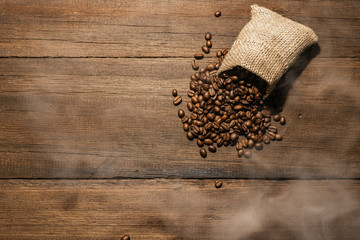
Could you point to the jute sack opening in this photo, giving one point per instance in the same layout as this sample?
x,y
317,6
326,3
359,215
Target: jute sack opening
x,y
268,45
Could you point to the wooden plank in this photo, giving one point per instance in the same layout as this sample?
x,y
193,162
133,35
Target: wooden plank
x,y
106,118
179,209
154,28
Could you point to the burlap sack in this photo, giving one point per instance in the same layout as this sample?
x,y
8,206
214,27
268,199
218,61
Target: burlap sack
x,y
268,45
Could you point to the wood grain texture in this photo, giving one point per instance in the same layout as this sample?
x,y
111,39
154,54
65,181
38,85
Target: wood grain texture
x,y
156,28
179,209
114,118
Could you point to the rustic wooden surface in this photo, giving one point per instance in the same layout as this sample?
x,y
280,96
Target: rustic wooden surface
x,y
85,97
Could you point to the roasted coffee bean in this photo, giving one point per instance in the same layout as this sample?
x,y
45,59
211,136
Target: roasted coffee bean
x,y
194,65
194,99
218,184
208,43
181,113
207,36
205,49
208,141
248,123
212,148
225,126
278,137
219,142
174,92
125,237
273,129
258,146
217,14
185,119
190,106
195,129
251,143
210,67
177,100
276,117
203,152
189,135
282,121
240,152
271,135
190,93
219,53
266,139
233,137
200,143
247,153
239,146
186,127
199,56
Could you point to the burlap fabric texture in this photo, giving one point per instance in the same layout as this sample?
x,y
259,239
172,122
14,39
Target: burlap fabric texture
x,y
268,45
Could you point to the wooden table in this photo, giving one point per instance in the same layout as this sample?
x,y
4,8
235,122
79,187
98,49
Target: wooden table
x,y
91,146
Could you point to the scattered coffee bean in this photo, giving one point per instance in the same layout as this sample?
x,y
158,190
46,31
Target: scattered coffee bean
x,y
203,152
258,146
181,113
208,43
186,127
219,53
266,139
177,100
218,184
247,154
200,143
174,92
217,13
125,237
194,65
190,106
276,117
282,121
205,49
199,56
240,152
189,135
212,148
207,36
278,137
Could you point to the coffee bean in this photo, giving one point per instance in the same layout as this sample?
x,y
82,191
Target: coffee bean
x,y
248,123
258,146
207,36
208,141
219,53
199,56
177,100
278,137
181,113
266,139
189,135
240,152
190,106
247,153
219,142
200,143
210,67
125,237
212,148
239,146
282,121
271,135
208,43
276,117
194,65
233,137
186,127
195,129
203,152
217,14
185,119
251,143
174,92
218,184
273,129
205,49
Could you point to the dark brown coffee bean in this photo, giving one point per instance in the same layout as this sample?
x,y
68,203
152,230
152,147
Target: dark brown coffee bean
x,y
194,65
190,93
181,113
273,129
125,237
219,142
278,137
233,137
210,67
200,143
208,43
217,14
271,135
208,141
189,135
195,129
248,123
206,95
282,121
199,56
240,152
174,92
190,106
239,146
251,143
266,139
258,146
203,152
218,184
194,99
186,127
177,100
212,148
219,53
276,117
205,49
207,36
247,153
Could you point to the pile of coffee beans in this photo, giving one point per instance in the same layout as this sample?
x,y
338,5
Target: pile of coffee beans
x,y
222,108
